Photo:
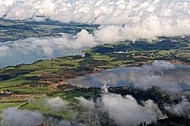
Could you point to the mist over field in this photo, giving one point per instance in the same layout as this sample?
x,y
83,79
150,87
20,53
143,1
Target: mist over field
x,y
173,78
119,20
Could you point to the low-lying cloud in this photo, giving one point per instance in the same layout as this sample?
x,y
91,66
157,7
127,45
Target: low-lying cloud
x,y
169,77
56,104
31,49
17,117
180,109
122,110
126,111
88,104
21,117
110,108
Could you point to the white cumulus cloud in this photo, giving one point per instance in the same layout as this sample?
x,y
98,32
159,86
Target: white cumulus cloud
x,y
140,18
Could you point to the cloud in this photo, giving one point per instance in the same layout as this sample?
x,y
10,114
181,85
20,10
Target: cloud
x,y
46,46
162,65
121,110
90,105
148,82
4,50
180,109
109,34
126,110
83,40
56,104
134,19
169,77
16,117
56,122
32,49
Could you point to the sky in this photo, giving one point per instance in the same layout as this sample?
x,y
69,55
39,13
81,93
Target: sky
x,y
119,20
